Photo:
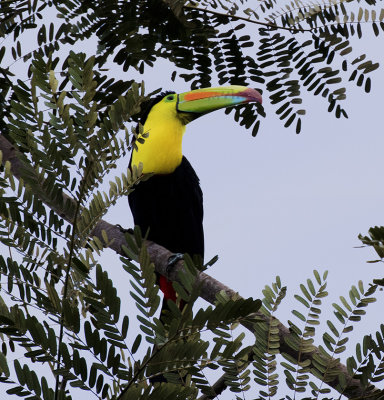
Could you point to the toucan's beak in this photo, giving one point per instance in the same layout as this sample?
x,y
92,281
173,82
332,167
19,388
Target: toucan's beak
x,y
203,101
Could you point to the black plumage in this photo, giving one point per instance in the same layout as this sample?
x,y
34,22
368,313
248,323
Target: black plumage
x,y
171,207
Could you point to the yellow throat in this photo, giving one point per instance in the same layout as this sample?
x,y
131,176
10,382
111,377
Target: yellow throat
x,y
161,152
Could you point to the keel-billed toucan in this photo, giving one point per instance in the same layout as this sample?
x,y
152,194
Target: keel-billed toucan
x,y
169,205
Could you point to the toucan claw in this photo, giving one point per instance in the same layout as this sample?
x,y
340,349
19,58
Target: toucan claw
x,y
172,261
123,230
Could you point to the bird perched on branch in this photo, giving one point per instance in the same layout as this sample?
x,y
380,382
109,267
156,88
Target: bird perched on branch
x,y
169,205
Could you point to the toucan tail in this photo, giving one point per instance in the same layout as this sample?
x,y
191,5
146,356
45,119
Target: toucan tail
x,y
167,288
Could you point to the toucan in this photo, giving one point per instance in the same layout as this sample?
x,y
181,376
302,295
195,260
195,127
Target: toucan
x,y
169,205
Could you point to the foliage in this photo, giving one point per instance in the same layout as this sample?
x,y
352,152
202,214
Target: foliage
x,y
69,121
298,46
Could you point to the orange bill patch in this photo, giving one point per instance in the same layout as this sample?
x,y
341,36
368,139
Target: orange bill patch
x,y
200,95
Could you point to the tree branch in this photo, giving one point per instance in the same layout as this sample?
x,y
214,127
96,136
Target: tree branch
x,y
210,287
237,18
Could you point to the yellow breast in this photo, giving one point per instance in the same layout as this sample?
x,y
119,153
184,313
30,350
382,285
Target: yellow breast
x,y
161,152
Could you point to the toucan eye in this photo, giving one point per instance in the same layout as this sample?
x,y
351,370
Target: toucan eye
x,y
170,97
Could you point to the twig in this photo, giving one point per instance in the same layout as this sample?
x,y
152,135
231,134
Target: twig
x,y
252,21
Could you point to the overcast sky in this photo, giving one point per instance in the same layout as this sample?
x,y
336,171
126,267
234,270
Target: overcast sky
x,y
284,204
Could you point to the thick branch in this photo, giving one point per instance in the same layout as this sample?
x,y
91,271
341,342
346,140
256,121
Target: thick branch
x,y
210,287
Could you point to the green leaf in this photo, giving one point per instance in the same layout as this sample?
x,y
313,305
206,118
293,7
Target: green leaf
x,y
299,315
4,365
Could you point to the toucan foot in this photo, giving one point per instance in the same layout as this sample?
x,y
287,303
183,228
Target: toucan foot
x,y
172,261
123,230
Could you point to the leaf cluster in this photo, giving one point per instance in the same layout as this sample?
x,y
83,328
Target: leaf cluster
x,y
295,47
302,358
